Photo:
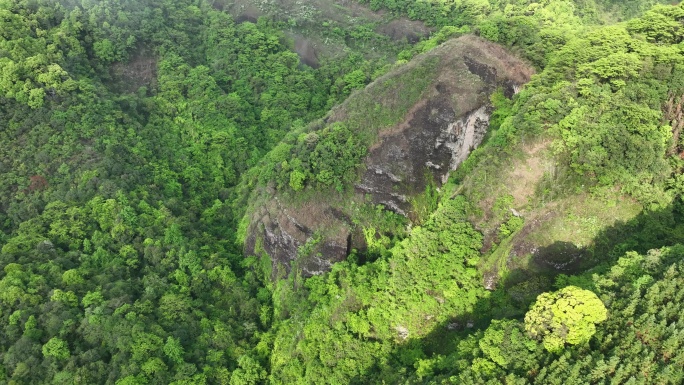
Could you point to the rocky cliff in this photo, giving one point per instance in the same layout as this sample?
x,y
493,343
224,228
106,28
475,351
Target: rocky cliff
x,y
430,132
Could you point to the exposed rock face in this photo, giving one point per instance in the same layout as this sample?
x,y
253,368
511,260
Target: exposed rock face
x,y
282,232
400,165
433,139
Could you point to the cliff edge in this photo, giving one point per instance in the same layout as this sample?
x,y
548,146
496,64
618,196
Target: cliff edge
x,y
412,127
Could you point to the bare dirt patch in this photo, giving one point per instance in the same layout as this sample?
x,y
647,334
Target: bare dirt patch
x,y
404,29
241,10
528,172
521,245
140,71
559,236
307,49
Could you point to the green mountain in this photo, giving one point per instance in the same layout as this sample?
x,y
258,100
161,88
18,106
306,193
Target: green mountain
x,y
367,165
314,192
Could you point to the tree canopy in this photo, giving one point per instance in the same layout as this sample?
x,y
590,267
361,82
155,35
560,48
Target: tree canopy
x,y
131,132
567,316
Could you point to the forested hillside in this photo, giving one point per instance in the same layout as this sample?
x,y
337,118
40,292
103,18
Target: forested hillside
x,y
134,133
124,127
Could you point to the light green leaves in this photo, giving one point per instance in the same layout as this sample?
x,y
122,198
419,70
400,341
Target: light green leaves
x,y
568,316
174,350
660,25
56,348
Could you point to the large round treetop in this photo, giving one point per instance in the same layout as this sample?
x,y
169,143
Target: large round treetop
x,y
568,316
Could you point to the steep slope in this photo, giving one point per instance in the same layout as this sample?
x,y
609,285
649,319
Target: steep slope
x,y
124,125
384,146
325,30
559,186
639,342
588,146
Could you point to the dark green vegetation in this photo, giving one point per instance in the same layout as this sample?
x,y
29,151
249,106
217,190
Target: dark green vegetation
x,y
535,29
598,112
127,129
643,296
124,126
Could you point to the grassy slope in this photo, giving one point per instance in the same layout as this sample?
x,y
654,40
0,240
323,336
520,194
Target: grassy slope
x,y
568,212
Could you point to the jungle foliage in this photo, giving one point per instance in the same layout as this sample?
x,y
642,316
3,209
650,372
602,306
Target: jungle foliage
x,y
129,131
124,127
601,99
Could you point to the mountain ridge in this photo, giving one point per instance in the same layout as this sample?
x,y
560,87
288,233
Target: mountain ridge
x,y
421,139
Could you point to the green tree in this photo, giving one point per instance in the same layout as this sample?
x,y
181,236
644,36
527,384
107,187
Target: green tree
x,y
568,316
56,348
173,350
297,179
505,343
248,373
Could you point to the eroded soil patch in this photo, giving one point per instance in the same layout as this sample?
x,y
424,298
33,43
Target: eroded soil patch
x,y
404,29
528,172
140,71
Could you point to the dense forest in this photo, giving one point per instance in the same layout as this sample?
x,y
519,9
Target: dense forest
x,y
132,134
